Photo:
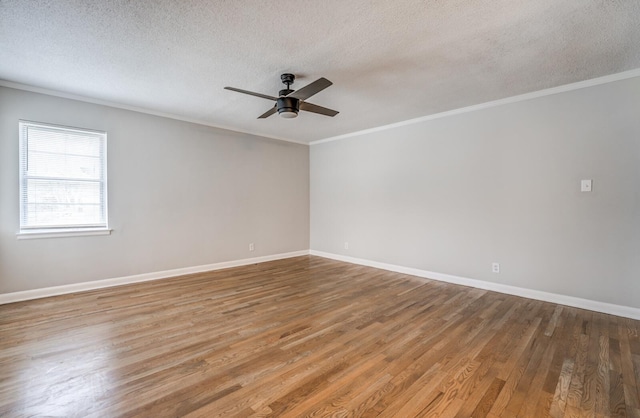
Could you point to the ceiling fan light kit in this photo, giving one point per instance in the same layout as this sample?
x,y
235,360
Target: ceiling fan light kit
x,y
289,102
288,107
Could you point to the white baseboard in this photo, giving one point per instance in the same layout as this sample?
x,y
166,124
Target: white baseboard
x,y
592,305
118,281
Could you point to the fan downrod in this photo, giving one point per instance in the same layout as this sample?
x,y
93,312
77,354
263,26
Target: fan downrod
x,y
288,80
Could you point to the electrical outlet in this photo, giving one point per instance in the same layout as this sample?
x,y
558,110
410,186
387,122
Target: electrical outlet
x,y
495,267
251,247
585,186
346,245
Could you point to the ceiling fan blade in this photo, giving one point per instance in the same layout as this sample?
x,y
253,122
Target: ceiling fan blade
x,y
310,107
268,113
311,89
264,96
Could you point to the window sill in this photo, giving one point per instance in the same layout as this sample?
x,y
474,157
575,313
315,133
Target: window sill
x,y
49,233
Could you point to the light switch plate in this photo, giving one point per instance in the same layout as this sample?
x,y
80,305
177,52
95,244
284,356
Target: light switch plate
x,y
585,186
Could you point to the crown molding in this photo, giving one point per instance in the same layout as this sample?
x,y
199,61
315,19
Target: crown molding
x,y
56,93
513,99
508,100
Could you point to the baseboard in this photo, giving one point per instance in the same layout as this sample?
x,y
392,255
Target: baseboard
x,y
118,281
592,305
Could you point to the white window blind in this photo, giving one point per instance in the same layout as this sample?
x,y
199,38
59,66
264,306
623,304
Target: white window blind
x,y
63,176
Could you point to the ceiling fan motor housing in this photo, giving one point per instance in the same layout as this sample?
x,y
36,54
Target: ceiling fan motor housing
x,y
288,107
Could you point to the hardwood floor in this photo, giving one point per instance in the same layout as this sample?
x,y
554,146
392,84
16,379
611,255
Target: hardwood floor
x,y
309,336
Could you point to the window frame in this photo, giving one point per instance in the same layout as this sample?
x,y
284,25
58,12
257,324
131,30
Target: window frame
x,y
60,230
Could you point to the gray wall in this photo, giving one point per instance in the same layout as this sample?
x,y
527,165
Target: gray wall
x,y
180,195
453,195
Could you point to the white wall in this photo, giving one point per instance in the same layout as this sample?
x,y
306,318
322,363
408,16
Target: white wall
x,y
452,195
180,195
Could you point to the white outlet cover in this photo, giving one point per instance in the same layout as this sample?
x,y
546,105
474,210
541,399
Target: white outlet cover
x,y
585,186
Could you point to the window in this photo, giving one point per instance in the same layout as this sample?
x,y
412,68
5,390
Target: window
x,y
63,180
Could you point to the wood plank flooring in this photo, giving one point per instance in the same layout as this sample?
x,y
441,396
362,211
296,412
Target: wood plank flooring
x,y
311,337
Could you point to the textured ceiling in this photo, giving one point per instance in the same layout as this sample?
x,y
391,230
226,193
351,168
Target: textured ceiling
x,y
389,60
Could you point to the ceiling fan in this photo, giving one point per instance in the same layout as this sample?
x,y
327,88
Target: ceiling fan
x,y
290,102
